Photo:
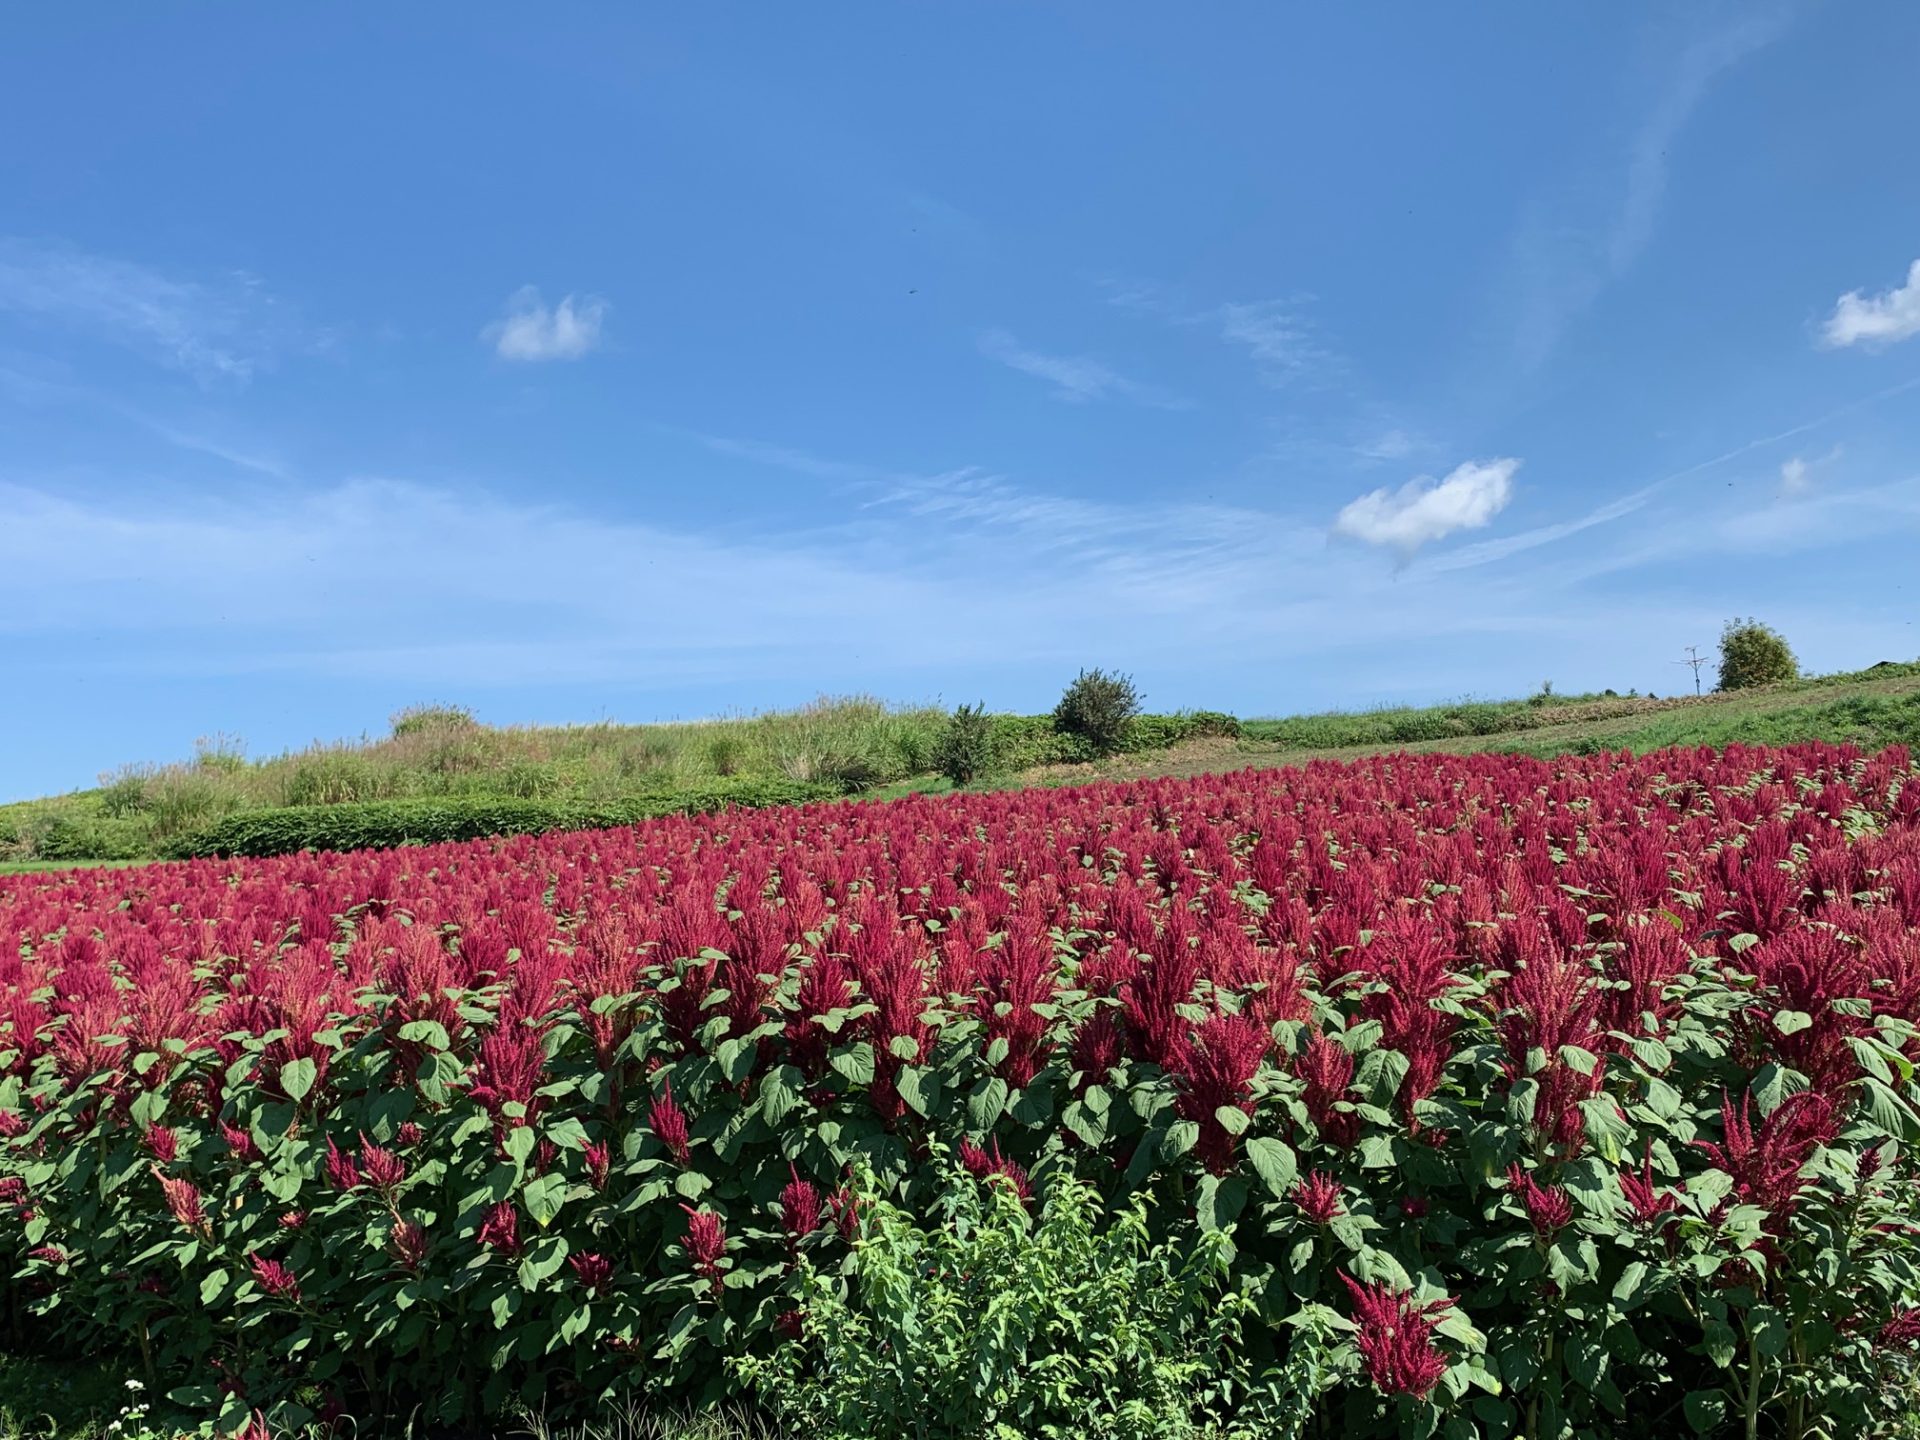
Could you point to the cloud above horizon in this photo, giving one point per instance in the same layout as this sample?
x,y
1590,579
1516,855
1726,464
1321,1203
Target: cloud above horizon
x,y
1425,509
1875,320
1075,378
530,331
221,329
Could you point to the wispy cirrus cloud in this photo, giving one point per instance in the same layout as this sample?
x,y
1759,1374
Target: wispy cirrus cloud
x,y
220,329
1283,343
1569,251
1875,320
1279,335
532,331
1425,509
1075,378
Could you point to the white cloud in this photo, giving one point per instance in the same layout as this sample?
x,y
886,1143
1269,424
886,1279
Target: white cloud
x,y
1424,509
1388,445
1796,473
1859,319
1073,377
1284,344
217,330
531,331
1280,341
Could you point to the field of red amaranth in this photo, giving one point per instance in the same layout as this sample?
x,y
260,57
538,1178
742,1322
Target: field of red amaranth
x,y
1579,1092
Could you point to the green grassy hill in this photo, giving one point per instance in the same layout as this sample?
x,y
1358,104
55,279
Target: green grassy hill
x,y
1871,708
440,775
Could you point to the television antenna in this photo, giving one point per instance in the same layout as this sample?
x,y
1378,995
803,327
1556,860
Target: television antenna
x,y
1694,659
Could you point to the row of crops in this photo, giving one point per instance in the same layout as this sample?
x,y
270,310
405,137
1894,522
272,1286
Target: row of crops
x,y
1543,1098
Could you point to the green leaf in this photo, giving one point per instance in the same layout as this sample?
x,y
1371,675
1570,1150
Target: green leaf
x,y
1651,1053
1376,1152
1631,1287
1792,1022
1219,1201
1087,1123
1706,1410
1182,1136
520,1143
544,1196
735,1056
1606,1130
1719,1341
297,1077
1889,1111
430,1033
575,1325
1586,1361
1033,1106
1233,1119
543,1260
856,1063
919,1087
1581,1062
1767,1327
779,1093
986,1102
1273,1161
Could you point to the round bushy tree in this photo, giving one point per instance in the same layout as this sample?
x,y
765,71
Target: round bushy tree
x,y
964,750
1754,654
1098,707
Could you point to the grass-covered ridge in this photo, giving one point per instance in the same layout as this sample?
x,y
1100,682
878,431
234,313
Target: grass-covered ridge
x,y
441,775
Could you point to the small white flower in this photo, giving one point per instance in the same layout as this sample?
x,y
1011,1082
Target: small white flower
x,y
135,1385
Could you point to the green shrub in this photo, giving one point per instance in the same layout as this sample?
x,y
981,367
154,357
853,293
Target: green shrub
x,y
386,823
965,750
982,1319
422,719
1157,732
1407,726
1098,707
1021,742
1754,654
82,837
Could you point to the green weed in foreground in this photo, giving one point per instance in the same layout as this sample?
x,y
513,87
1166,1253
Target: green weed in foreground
x,y
985,1320
52,1400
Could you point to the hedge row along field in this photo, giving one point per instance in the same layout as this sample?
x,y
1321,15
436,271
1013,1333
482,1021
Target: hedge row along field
x,y
1564,1098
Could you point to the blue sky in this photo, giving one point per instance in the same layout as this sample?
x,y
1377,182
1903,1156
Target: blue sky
x,y
642,362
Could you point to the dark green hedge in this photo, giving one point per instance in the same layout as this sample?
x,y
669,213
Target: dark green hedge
x,y
380,824
1023,741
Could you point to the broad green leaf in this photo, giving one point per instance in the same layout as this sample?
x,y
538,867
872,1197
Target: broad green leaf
x,y
1706,1411
297,1077
1273,1161
544,1196
986,1102
856,1063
